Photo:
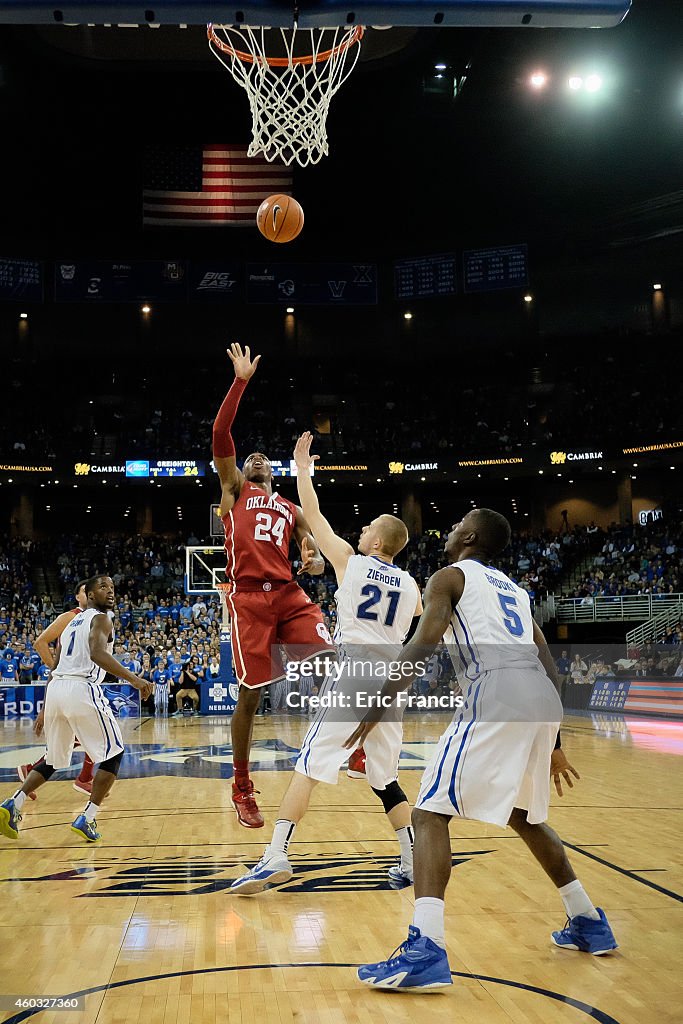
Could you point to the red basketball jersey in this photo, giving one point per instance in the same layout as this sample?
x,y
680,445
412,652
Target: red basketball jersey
x,y
258,529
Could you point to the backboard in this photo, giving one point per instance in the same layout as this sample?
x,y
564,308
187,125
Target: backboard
x,y
204,568
322,13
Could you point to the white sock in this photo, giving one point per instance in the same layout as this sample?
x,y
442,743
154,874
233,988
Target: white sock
x,y
428,917
406,838
91,811
576,901
282,834
19,799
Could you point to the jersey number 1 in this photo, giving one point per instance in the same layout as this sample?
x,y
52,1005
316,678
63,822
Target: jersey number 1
x,y
266,530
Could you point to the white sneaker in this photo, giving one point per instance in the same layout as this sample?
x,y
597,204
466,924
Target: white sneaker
x,y
400,876
272,869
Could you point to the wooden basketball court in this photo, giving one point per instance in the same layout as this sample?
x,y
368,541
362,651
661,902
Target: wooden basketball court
x,y
141,928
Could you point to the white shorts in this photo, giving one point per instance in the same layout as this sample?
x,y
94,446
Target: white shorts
x,y
323,752
488,761
77,708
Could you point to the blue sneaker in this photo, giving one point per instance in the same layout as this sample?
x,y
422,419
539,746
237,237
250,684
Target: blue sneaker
x,y
587,935
421,964
9,819
272,869
86,829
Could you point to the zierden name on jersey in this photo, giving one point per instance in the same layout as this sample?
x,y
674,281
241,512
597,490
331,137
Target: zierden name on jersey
x,y
391,581
263,501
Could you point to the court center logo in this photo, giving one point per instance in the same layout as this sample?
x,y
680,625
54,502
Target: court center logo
x,y
205,875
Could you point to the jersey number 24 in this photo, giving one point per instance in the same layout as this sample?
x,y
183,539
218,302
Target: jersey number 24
x,y
265,529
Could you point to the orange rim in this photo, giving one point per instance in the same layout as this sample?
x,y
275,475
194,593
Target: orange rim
x,y
284,62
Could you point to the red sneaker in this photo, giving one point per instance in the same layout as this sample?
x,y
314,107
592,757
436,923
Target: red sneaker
x,y
22,772
356,768
244,803
83,787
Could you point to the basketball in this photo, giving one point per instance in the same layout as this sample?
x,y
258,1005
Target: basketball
x,y
280,218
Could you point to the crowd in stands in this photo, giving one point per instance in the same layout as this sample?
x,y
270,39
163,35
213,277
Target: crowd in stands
x,y
634,560
167,636
510,409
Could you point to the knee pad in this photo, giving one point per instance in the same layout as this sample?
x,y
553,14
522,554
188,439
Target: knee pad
x,y
391,797
113,764
46,770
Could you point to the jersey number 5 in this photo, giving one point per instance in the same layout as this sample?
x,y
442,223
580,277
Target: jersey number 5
x,y
265,529
511,619
374,595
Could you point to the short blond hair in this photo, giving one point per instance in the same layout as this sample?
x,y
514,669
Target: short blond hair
x,y
394,534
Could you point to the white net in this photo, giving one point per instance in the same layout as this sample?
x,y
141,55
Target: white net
x,y
291,86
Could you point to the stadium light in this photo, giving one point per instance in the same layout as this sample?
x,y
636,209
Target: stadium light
x,y
575,82
407,316
655,287
440,67
528,298
146,309
593,83
290,309
538,80
23,316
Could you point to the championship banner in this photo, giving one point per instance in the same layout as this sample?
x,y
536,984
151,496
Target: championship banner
x,y
487,270
426,277
21,279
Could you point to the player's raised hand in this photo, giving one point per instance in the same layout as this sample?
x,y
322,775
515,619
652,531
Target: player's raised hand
x,y
302,452
309,556
242,362
561,768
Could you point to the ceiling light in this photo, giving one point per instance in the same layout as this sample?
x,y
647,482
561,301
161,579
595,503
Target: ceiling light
x,y
593,83
538,80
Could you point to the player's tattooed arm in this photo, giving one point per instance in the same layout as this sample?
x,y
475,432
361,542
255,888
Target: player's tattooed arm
x,y
224,459
310,519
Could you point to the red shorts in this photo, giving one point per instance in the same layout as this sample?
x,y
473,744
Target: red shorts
x,y
262,620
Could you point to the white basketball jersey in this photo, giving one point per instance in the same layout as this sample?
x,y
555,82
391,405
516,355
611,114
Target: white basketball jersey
x,y
75,659
375,603
491,626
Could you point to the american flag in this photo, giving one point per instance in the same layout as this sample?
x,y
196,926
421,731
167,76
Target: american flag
x,y
208,186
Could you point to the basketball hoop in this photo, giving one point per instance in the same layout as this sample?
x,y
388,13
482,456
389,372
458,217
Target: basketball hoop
x,y
290,88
